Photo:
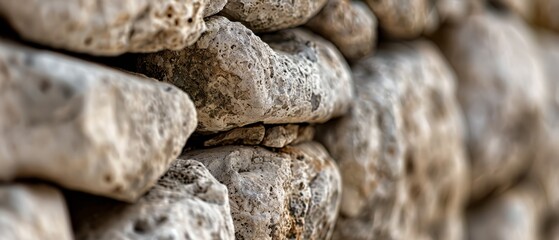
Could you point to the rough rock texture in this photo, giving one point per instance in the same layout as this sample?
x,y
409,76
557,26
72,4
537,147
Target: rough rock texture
x,y
272,15
107,27
514,215
276,136
33,211
87,127
236,79
398,182
289,194
351,26
186,203
213,7
501,90
250,135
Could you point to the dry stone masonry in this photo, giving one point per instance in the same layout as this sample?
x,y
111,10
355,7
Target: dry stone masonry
x,y
279,119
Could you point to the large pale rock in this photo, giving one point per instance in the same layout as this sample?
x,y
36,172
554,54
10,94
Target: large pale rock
x,y
107,27
501,90
349,25
33,211
289,194
87,127
513,215
272,15
186,203
399,182
236,79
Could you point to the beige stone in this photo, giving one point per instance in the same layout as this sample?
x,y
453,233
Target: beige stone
x,y
275,136
213,7
186,203
513,215
272,15
87,127
107,27
292,193
236,79
400,149
349,25
501,90
33,211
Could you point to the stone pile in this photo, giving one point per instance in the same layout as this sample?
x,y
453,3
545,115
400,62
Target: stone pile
x,y
276,119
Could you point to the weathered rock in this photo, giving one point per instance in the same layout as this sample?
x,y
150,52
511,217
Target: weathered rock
x,y
501,90
186,203
292,193
107,27
398,182
33,211
351,26
87,127
514,215
213,7
276,136
236,79
545,13
272,15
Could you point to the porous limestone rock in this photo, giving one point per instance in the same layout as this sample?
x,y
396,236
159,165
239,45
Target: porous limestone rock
x,y
186,203
213,7
400,149
289,194
33,211
501,91
236,79
107,27
276,136
87,127
272,15
349,25
513,215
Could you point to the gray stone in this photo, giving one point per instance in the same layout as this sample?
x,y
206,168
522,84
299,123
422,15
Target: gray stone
x,y
501,90
349,25
292,193
87,127
236,79
186,203
280,136
513,215
33,211
272,15
213,7
398,180
107,27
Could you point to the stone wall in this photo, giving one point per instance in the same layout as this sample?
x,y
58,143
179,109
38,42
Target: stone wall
x,y
276,119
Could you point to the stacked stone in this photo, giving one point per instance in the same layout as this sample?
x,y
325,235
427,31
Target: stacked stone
x,y
276,119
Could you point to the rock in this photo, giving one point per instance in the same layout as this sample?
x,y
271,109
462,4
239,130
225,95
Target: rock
x,y
236,79
514,215
33,211
349,25
398,182
213,7
107,27
501,90
545,13
87,127
186,203
272,15
401,18
275,136
289,194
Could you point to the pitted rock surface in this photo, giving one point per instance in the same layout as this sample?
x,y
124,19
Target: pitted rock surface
x,y
90,128
289,194
236,79
513,215
275,136
501,91
272,15
213,7
349,25
187,203
107,27
398,182
33,211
